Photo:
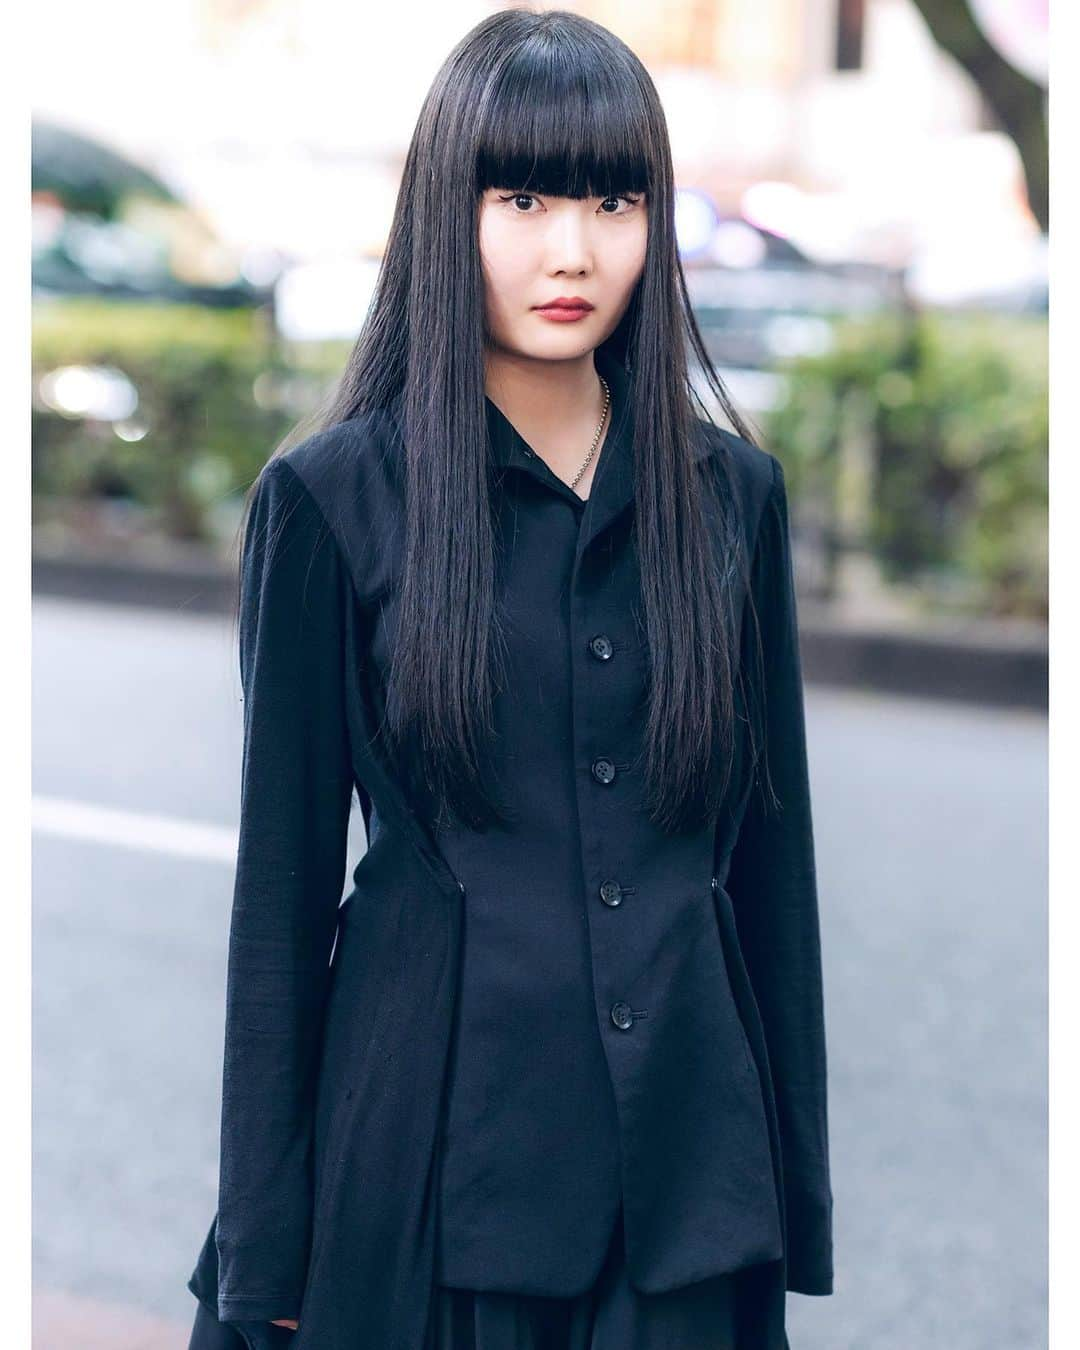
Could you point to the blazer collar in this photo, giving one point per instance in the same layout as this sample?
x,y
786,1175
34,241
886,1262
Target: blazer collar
x,y
613,483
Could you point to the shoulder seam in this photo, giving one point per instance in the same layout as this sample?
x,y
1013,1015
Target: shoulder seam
x,y
339,548
775,469
770,496
308,493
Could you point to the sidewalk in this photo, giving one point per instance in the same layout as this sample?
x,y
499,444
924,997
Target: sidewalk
x,y
977,661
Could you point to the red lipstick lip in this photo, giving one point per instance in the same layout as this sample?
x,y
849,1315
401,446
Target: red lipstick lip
x,y
567,302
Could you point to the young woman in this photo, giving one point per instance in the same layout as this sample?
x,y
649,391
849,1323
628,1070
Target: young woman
x,y
554,1073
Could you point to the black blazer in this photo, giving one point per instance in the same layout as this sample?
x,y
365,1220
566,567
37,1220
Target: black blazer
x,y
699,1089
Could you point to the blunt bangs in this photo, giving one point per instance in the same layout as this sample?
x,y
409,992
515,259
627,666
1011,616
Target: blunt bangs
x,y
559,123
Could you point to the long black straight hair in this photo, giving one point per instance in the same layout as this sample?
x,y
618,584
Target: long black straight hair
x,y
555,104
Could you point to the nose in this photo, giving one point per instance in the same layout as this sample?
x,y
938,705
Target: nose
x,y
569,245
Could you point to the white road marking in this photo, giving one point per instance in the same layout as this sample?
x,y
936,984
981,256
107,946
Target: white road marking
x,y
133,829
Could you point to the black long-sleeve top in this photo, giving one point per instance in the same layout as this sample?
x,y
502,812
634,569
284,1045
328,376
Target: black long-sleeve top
x,y
599,1055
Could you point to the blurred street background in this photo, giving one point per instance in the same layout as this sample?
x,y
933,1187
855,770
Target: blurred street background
x,y
862,215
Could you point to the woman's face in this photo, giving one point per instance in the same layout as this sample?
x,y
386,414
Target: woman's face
x,y
536,249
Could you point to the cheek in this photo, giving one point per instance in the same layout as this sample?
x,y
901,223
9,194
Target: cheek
x,y
504,259
626,259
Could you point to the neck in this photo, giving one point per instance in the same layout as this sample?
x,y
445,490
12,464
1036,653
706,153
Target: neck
x,y
555,405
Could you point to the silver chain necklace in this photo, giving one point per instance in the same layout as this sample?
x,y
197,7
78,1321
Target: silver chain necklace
x,y
599,430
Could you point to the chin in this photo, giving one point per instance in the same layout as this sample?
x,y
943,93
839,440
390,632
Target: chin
x,y
566,350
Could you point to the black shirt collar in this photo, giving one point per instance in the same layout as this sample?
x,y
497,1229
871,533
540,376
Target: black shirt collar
x,y
613,483
509,447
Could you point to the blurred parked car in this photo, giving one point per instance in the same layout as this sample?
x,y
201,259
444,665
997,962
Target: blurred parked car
x,y
104,226
1007,275
760,299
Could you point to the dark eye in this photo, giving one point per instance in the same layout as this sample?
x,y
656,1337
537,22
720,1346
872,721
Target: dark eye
x,y
630,200
517,198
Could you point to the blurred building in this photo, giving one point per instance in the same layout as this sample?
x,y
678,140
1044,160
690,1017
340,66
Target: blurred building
x,y
836,122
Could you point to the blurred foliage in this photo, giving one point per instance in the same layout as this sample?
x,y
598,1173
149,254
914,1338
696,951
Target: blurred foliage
x,y
950,412
216,393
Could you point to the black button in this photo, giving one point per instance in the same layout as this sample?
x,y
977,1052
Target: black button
x,y
611,893
603,770
461,887
601,647
622,1015
716,883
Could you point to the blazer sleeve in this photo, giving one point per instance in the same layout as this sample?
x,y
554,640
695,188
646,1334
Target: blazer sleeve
x,y
772,885
296,787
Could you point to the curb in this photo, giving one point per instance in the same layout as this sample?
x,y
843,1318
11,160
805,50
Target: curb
x,y
977,661
972,661
197,586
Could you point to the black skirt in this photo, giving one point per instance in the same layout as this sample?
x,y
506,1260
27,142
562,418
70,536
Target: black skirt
x,y
610,1315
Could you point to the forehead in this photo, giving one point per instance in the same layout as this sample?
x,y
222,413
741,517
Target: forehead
x,y
563,131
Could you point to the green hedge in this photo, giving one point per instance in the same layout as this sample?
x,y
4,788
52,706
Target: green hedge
x,y
216,392
952,412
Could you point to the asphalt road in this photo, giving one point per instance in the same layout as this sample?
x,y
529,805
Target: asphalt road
x,y
930,825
